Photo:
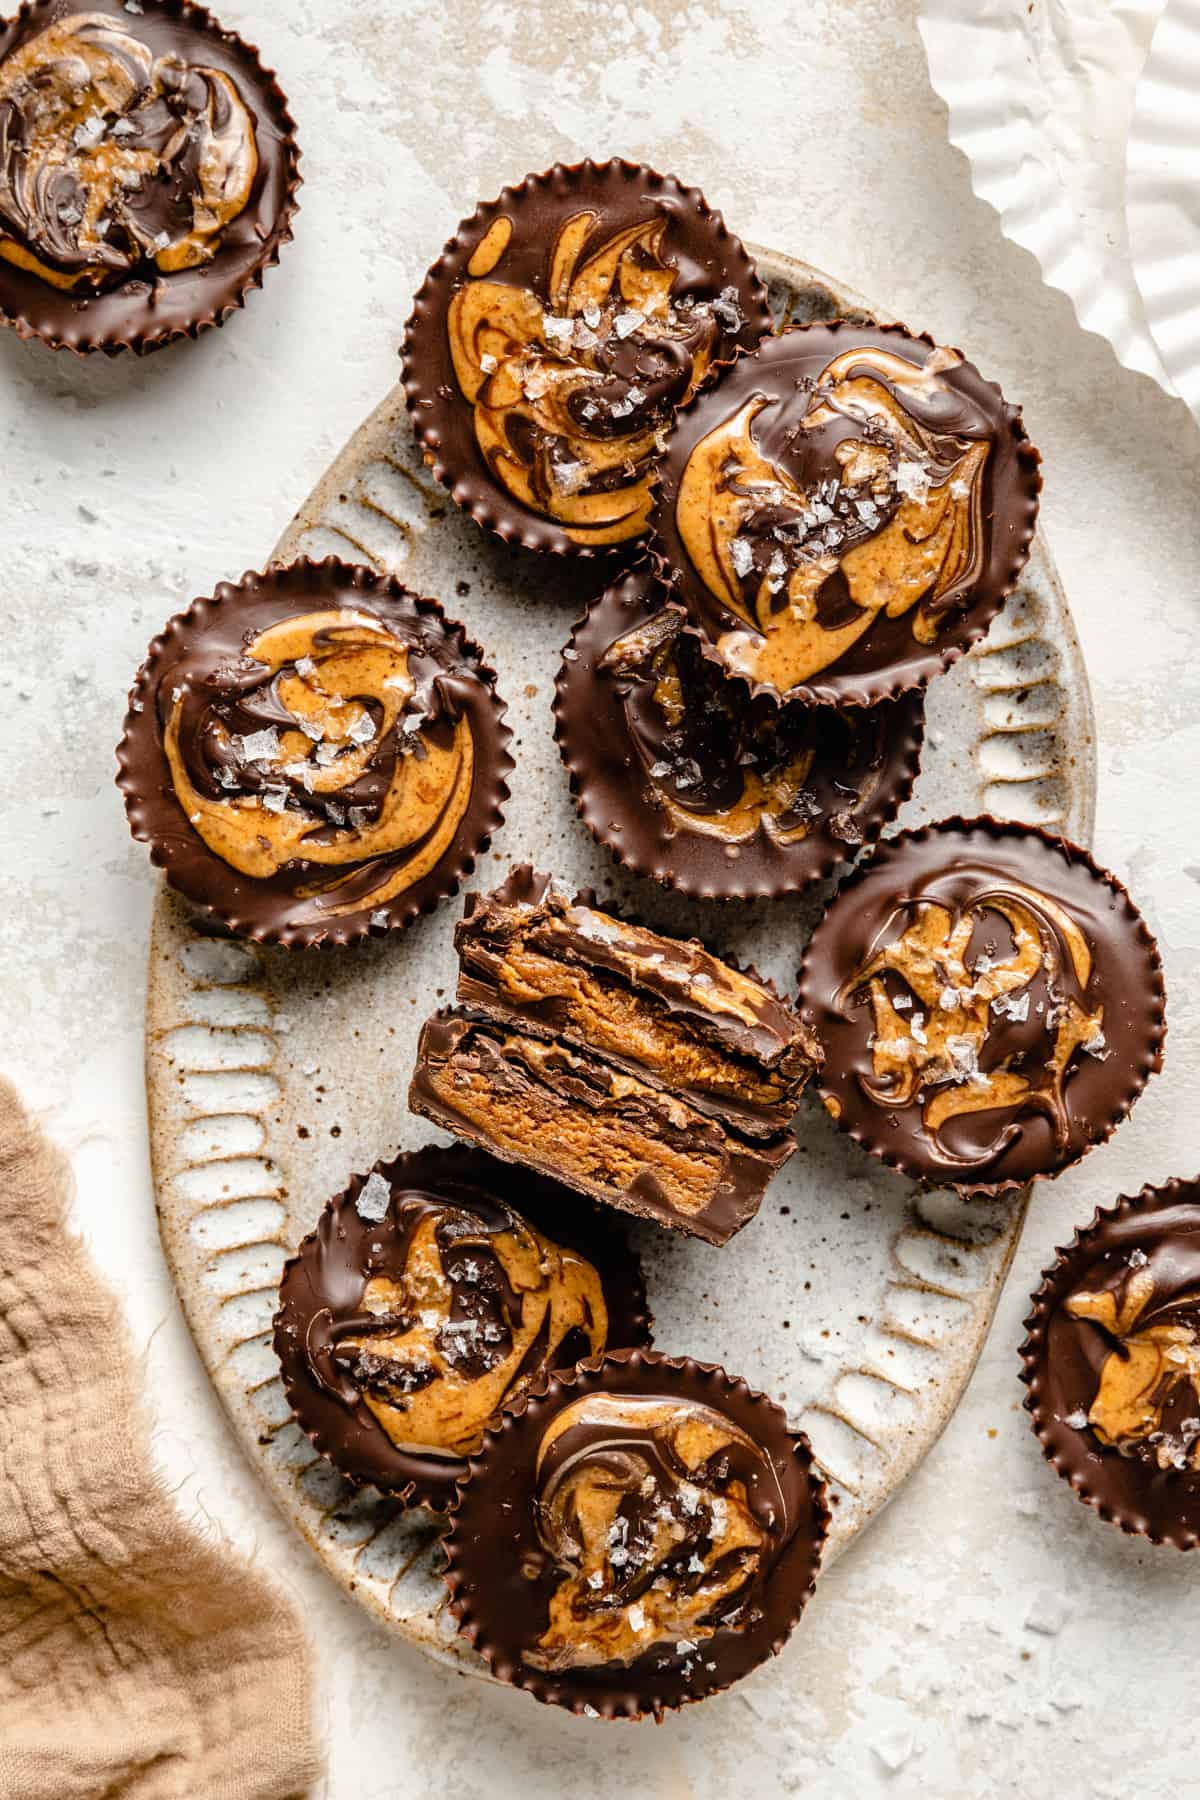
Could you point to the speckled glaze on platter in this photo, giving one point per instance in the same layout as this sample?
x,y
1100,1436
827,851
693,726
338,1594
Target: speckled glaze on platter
x,y
272,1077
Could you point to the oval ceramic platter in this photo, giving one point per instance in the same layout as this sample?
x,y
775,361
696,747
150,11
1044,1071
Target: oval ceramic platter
x,y
856,1301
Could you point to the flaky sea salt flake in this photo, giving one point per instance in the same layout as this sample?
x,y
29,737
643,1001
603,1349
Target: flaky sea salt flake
x,y
257,746
89,133
372,1200
741,555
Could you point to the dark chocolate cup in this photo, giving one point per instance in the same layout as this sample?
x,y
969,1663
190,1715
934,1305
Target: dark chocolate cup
x,y
254,908
440,413
619,803
353,1438
1158,1504
888,665
493,1504
854,909
190,301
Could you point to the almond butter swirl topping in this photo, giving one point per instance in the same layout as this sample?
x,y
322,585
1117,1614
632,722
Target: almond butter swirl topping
x,y
572,392
353,778
478,1303
112,158
1144,1370
759,782
890,504
661,1514
932,1026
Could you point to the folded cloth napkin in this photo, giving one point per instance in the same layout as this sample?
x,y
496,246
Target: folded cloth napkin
x,y
137,1659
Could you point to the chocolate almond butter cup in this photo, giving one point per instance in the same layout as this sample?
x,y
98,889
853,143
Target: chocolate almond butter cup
x,y
1112,1363
639,1534
314,754
686,779
552,340
148,173
433,1293
843,513
989,1001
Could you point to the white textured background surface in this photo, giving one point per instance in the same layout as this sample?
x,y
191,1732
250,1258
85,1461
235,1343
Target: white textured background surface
x,y
988,1635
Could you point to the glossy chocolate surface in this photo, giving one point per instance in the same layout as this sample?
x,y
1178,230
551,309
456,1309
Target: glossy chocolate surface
x,y
552,341
843,513
1113,1364
687,779
990,1004
579,1119
147,172
314,753
663,1008
638,1537
433,1293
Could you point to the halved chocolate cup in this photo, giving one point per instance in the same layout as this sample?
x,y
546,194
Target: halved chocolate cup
x,y
844,512
1112,1363
443,1232
141,301
314,754
989,1000
686,779
552,340
627,1471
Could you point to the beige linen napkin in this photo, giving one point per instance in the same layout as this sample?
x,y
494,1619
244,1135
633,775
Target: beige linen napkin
x,y
137,1659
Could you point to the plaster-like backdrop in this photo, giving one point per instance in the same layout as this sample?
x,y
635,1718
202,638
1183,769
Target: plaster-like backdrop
x,y
987,1632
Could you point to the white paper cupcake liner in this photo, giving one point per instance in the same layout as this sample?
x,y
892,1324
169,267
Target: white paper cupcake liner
x,y
1040,100
1163,194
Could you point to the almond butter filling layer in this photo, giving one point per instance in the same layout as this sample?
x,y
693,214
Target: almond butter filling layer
x,y
1142,1374
614,1020
438,1379
923,541
90,120
651,1543
329,664
540,381
603,1144
935,1039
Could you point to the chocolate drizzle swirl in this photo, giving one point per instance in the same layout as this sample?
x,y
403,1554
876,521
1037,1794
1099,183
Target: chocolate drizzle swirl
x,y
148,172
428,1299
640,1535
684,777
549,347
111,157
1112,1362
844,512
989,1002
330,748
